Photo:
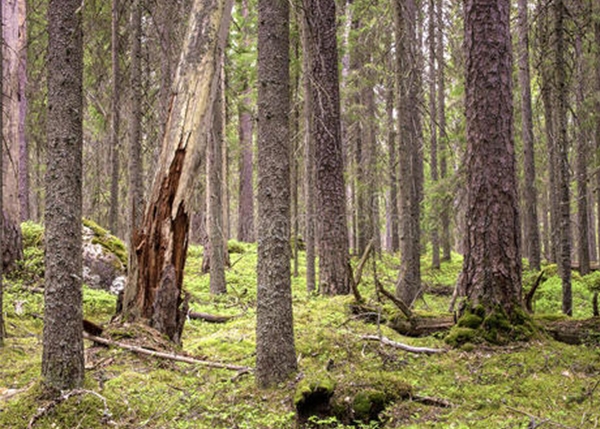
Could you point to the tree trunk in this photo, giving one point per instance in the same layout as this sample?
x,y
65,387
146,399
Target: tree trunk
x,y
583,245
532,234
563,159
394,239
153,292
597,114
14,57
491,273
62,358
332,230
433,163
114,122
2,327
443,143
275,351
408,285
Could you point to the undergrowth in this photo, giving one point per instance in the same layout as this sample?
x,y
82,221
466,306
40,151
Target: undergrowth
x,y
484,386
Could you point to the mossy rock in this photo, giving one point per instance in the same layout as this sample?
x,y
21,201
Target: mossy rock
x,y
108,241
313,397
470,320
368,404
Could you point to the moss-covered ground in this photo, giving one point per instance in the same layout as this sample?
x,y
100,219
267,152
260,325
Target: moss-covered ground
x,y
519,385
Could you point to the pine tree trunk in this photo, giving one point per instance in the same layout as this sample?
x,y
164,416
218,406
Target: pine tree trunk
x,y
114,122
392,212
491,273
275,351
62,358
332,230
433,163
408,285
153,292
597,115
563,160
2,327
532,234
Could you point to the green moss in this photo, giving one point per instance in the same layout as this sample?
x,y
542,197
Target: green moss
x,y
470,320
367,404
323,386
111,243
234,246
459,336
33,234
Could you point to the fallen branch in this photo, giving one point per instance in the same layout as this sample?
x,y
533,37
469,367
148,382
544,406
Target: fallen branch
x,y
170,356
531,293
212,318
434,402
397,301
401,346
106,415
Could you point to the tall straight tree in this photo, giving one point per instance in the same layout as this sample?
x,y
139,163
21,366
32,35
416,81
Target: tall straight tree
x,y
410,148
113,219
2,328
62,359
562,145
491,273
153,293
532,232
324,93
433,162
275,351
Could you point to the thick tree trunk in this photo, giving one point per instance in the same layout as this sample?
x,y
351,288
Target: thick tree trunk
x,y
563,159
153,292
491,273
332,230
14,57
62,358
113,220
443,141
275,351
433,162
408,285
532,234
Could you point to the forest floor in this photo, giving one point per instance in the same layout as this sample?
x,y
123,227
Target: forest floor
x,y
518,385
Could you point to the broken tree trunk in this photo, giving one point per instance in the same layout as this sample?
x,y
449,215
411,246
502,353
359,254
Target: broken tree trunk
x,y
158,247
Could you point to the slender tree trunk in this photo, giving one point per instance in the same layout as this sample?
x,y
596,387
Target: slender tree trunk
x,y
153,292
409,279
24,204
394,238
136,204
433,163
491,273
532,234
583,245
62,358
295,138
275,351
597,114
332,230
114,122
2,327
563,160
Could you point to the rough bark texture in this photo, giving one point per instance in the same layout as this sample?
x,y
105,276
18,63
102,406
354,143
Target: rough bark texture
x,y
245,232
113,219
433,161
14,54
583,245
531,243
392,212
597,114
562,145
275,351
159,245
2,328
62,358
216,237
410,155
330,210
443,141
492,266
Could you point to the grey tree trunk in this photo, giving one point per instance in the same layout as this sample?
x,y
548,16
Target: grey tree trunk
x,y
113,220
597,114
2,327
408,285
275,351
62,358
563,158
532,232
159,245
433,162
330,210
491,273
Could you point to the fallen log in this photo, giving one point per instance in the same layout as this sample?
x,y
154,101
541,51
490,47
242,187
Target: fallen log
x,y
421,326
574,332
212,318
401,346
169,356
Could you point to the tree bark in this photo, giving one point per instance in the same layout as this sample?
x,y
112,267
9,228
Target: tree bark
x,y
597,114
14,57
332,230
491,273
114,121
393,215
62,358
433,162
408,285
275,351
532,233
563,159
159,245
2,327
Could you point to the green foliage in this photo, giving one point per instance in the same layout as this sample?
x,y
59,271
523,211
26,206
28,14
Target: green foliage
x,y
33,234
